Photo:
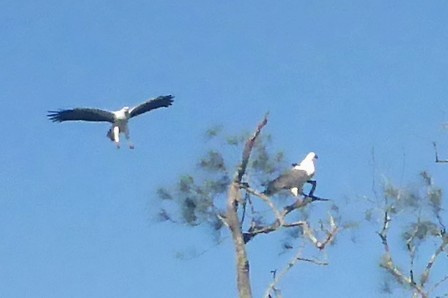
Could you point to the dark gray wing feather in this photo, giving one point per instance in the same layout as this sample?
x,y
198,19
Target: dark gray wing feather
x,y
293,178
163,101
81,114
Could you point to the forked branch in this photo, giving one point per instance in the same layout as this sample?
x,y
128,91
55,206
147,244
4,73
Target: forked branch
x,y
389,264
319,244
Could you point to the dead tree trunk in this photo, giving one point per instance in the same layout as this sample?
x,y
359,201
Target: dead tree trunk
x,y
233,222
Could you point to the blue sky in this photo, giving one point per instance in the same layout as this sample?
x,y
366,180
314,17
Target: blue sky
x,y
338,78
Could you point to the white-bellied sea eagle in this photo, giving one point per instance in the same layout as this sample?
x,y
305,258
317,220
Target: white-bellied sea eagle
x,y
119,119
295,178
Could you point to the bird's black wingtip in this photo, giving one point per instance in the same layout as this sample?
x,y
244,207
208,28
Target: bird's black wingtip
x,y
168,98
54,116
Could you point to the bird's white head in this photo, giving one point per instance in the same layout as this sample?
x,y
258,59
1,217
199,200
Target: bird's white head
x,y
308,164
125,111
122,115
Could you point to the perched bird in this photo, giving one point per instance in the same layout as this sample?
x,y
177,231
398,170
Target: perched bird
x,y
119,119
295,178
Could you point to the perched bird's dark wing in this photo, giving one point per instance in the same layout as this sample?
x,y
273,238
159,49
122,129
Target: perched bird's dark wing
x,y
155,103
291,179
81,114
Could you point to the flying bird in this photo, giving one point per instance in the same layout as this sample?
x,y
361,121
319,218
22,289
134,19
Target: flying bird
x,y
295,178
119,119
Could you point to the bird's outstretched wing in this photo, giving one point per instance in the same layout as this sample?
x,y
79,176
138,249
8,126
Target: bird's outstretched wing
x,y
154,103
81,114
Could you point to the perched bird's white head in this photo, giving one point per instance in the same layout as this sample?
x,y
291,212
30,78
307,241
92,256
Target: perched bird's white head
x,y
308,164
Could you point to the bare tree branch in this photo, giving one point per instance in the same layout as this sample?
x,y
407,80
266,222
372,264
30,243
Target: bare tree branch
x,y
248,150
234,196
280,216
440,249
255,230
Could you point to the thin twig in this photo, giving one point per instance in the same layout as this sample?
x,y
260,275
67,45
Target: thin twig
x,y
316,262
411,248
222,218
440,249
437,284
272,288
437,155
